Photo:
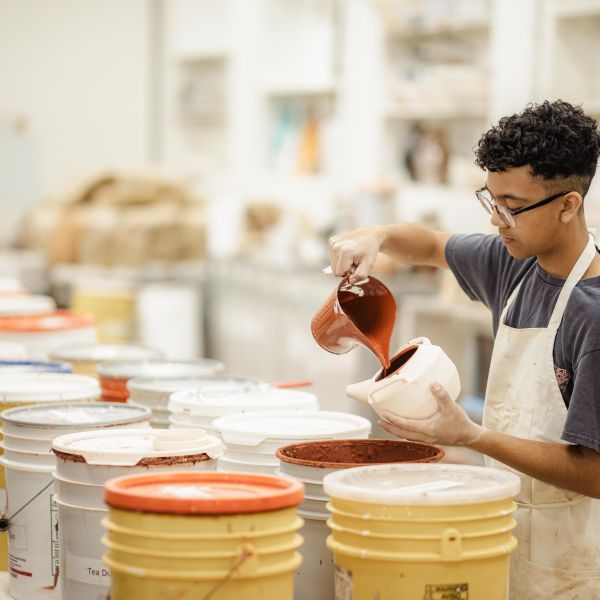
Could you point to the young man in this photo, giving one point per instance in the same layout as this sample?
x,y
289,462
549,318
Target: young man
x,y
540,277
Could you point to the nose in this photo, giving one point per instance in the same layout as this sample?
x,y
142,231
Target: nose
x,y
496,219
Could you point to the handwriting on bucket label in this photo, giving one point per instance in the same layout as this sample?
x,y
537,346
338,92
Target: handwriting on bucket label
x,y
447,591
87,570
344,588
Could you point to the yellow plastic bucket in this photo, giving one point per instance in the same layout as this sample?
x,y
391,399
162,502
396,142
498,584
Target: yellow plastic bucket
x,y
423,531
190,535
22,389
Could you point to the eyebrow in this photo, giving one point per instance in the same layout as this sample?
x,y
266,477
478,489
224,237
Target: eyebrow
x,y
506,196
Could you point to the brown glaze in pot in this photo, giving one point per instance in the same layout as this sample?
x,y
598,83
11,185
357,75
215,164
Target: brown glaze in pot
x,y
343,454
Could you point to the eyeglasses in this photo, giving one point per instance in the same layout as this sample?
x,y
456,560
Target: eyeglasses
x,y
506,214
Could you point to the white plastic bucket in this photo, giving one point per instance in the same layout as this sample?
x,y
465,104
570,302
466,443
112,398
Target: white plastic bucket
x,y
85,461
201,406
115,375
309,463
252,439
86,357
29,462
41,333
25,304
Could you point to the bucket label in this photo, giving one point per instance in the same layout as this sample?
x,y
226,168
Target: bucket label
x,y
54,556
344,589
87,570
447,591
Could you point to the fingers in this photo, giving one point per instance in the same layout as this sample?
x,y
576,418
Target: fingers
x,y
441,395
363,270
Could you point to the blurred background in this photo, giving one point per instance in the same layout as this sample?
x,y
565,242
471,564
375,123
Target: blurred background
x,y
176,167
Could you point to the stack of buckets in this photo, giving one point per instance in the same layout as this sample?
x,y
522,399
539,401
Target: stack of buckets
x,y
84,462
156,391
28,462
23,389
114,376
422,531
202,535
309,463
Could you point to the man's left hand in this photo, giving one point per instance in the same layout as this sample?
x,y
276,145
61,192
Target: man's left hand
x,y
449,425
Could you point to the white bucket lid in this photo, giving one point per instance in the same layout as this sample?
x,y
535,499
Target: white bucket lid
x,y
26,304
46,387
252,429
126,447
128,369
90,414
104,352
218,401
422,484
170,384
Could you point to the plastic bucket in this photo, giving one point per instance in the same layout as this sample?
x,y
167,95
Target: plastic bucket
x,y
194,535
309,463
33,552
421,531
33,366
252,439
85,461
25,304
156,391
201,406
29,388
115,375
86,357
40,334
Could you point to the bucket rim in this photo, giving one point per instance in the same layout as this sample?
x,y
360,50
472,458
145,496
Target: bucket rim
x,y
207,492
9,416
421,484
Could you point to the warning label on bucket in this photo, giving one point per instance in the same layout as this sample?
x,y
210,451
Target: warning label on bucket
x,y
447,591
343,584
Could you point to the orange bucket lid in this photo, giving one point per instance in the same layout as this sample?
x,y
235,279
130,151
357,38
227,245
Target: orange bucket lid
x,y
202,492
58,320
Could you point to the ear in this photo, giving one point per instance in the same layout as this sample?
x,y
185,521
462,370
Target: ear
x,y
570,206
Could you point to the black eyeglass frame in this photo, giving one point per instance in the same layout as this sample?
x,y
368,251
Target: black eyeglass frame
x,y
518,211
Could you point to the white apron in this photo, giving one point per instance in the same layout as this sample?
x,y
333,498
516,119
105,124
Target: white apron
x,y
558,556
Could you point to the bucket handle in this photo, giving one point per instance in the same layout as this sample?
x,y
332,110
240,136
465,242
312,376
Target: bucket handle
x,y
451,545
5,521
248,556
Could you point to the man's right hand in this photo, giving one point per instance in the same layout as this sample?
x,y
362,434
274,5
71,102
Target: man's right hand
x,y
354,253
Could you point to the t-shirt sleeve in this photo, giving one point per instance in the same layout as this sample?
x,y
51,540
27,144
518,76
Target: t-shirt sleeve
x,y
583,419
475,261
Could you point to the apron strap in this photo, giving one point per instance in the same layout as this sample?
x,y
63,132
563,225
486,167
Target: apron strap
x,y
581,266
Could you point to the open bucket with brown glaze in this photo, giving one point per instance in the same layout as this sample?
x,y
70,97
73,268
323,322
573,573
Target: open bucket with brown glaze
x,y
357,313
310,462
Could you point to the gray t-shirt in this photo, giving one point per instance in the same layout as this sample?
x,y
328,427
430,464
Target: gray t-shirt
x,y
488,273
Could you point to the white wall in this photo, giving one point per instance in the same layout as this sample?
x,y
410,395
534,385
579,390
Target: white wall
x,y
78,73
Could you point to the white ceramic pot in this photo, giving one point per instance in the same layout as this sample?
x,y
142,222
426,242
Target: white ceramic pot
x,y
406,391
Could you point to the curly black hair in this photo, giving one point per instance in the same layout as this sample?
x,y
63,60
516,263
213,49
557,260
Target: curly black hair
x,y
556,139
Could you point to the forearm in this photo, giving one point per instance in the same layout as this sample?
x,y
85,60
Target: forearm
x,y
414,244
574,468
